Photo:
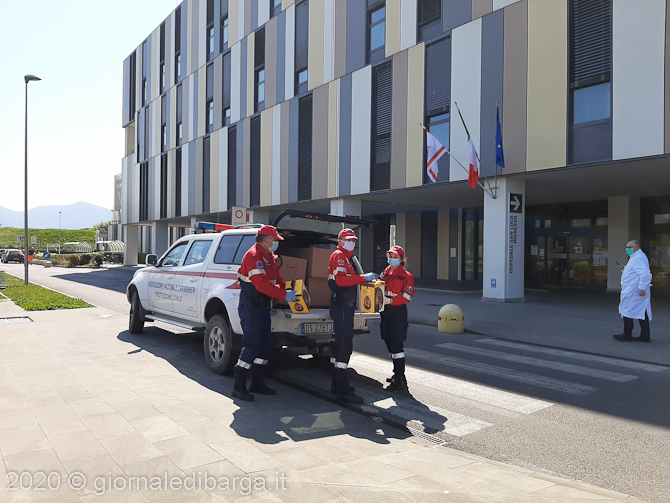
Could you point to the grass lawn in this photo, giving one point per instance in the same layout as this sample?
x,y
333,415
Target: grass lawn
x,y
36,298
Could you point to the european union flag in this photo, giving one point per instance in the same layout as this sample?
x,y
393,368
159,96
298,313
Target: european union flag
x,y
500,156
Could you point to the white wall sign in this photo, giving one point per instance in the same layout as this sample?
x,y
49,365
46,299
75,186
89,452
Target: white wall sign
x,y
239,215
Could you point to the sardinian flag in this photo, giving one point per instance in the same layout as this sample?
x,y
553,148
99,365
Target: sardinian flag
x,y
435,151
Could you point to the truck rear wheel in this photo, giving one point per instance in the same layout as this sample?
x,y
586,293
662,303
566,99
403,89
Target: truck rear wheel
x,y
136,319
218,346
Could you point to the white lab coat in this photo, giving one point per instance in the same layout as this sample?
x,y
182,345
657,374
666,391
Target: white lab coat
x,y
636,276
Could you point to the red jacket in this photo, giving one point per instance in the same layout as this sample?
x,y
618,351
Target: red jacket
x,y
399,285
258,265
341,269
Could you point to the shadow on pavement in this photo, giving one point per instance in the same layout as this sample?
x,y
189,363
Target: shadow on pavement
x,y
115,279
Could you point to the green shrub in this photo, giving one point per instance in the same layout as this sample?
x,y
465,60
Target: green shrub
x,y
85,259
97,259
141,258
73,260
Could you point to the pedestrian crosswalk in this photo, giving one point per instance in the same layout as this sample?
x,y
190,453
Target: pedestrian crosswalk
x,y
571,373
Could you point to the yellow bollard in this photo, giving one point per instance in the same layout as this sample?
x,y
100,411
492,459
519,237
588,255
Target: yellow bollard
x,y
450,319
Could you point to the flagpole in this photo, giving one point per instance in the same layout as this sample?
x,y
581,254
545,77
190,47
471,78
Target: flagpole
x,y
457,161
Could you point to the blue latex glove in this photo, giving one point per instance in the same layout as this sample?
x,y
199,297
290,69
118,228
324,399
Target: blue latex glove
x,y
291,296
370,276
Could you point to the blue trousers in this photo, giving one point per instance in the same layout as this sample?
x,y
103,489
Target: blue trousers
x,y
258,343
343,345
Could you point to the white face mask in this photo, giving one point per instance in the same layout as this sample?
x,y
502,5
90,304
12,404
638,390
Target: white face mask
x,y
349,245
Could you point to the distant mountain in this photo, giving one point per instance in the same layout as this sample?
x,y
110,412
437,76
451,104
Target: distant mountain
x,y
79,215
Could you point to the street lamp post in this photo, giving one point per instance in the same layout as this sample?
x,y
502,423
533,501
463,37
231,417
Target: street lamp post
x,y
27,78
59,238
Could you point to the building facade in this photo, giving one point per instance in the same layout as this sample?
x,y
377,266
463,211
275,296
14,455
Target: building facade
x,y
317,105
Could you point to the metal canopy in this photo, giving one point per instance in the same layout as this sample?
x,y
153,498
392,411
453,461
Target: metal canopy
x,y
78,247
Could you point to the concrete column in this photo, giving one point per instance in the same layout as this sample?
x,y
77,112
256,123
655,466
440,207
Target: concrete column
x,y
443,244
194,220
412,244
623,225
131,242
345,207
258,216
504,241
160,237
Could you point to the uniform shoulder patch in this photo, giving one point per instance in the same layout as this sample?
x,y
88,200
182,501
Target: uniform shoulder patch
x,y
259,264
409,288
340,262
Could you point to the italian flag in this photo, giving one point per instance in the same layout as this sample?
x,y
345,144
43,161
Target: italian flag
x,y
473,169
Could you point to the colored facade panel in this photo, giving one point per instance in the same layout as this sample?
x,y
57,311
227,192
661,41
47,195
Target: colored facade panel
x,y
248,15
315,54
235,83
198,175
455,13
223,169
328,39
201,40
361,104
214,172
638,82
280,76
407,23
415,93
344,171
466,79
547,84
399,120
492,88
218,92
271,63
191,173
251,46
515,71
293,151
285,147
276,155
481,8
240,185
289,51
499,4
267,149
333,97
201,100
241,13
340,43
320,103
245,154
356,35
393,28
126,112
172,123
233,35
263,12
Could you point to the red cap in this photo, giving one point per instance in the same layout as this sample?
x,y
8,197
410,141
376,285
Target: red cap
x,y
346,234
397,249
269,230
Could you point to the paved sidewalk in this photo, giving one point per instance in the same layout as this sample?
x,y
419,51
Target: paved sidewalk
x,y
568,318
78,393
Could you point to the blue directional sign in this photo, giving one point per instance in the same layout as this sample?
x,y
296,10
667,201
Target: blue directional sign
x,y
47,255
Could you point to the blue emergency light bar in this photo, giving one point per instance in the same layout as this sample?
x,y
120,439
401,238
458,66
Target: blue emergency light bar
x,y
212,226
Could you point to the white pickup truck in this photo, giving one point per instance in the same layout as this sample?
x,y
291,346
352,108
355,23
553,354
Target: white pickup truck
x,y
194,285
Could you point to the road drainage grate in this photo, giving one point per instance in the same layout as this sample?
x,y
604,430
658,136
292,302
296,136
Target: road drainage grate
x,y
17,319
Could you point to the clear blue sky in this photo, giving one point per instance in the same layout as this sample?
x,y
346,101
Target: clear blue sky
x,y
75,138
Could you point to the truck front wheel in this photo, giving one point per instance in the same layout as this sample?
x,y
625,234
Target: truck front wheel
x,y
218,346
136,319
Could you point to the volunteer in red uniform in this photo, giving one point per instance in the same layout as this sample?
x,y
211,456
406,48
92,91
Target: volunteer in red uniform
x,y
343,281
398,292
259,283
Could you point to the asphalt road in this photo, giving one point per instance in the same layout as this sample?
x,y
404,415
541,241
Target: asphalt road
x,y
602,421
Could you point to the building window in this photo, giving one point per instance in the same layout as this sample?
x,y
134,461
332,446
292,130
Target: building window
x,y
165,112
275,7
429,19
205,173
305,148
259,71
177,185
224,33
162,58
376,30
177,46
255,162
382,94
209,104
144,191
132,87
210,29
437,99
180,103
164,186
301,46
226,89
590,80
145,72
147,119
232,167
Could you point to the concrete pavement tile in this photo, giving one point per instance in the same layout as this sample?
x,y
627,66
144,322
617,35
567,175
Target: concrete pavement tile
x,y
308,493
223,468
16,418
418,483
197,496
504,476
392,458
91,407
155,371
356,444
132,410
93,468
370,495
44,460
12,402
325,472
331,451
353,479
380,472
77,444
63,495
438,472
156,488
181,413
76,392
114,496
442,456
107,425
17,440
60,422
158,428
580,486
113,396
562,491
298,458
246,457
209,431
130,448
188,452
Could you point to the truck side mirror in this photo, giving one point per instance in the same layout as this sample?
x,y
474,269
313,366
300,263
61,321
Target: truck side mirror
x,y
151,259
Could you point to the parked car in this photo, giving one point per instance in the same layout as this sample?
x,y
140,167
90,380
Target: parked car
x,y
194,285
13,256
2,252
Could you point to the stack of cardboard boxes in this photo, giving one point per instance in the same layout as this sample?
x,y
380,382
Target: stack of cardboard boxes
x,y
310,264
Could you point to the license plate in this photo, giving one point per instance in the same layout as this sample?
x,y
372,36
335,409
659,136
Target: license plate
x,y
317,328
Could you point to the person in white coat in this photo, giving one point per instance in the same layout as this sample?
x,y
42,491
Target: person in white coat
x,y
635,297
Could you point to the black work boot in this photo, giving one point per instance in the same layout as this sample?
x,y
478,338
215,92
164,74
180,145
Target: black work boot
x,y
242,393
261,388
397,384
623,337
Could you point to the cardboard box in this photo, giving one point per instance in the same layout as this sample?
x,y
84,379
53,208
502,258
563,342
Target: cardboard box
x,y
371,296
299,307
317,260
292,268
319,292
